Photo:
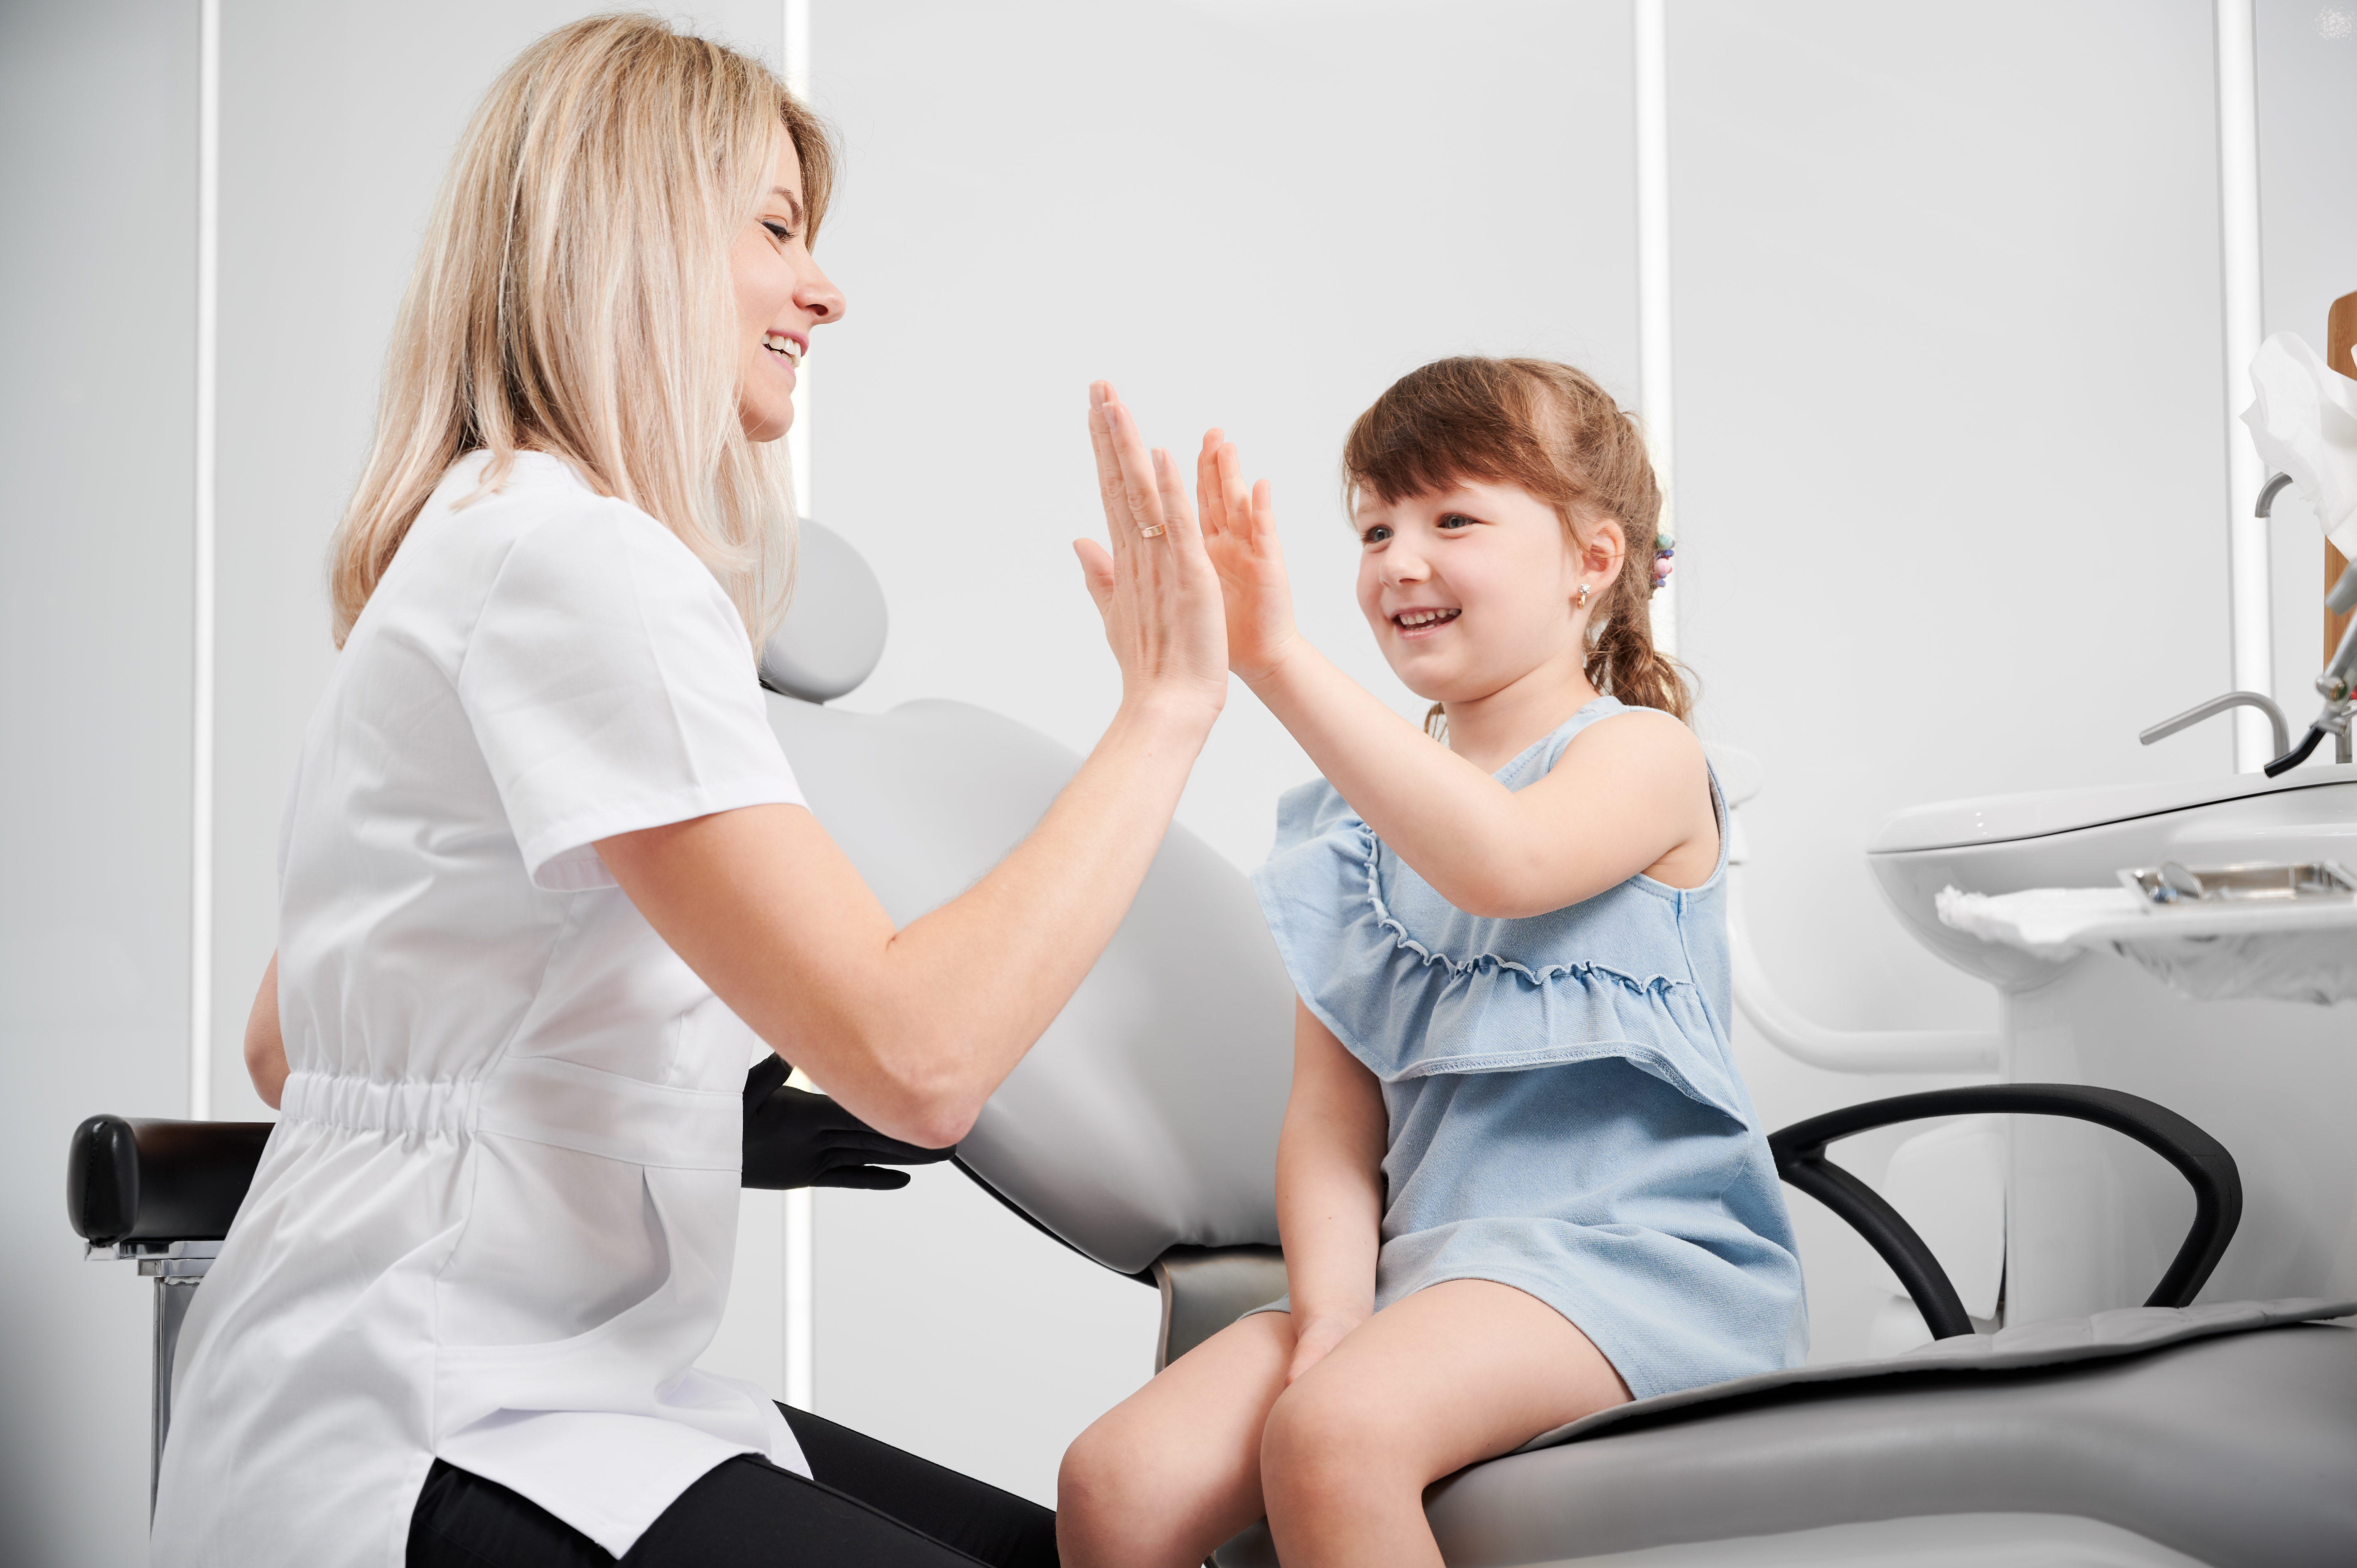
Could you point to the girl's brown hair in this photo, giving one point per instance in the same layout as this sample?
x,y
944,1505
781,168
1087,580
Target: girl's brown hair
x,y
1551,432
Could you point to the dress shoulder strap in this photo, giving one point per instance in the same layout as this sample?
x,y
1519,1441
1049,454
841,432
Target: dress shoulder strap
x,y
1539,760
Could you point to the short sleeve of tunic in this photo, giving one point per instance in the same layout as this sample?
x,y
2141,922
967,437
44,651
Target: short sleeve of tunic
x,y
610,683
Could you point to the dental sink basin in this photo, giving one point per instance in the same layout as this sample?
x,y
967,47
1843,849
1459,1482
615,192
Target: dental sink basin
x,y
2085,838
2090,1219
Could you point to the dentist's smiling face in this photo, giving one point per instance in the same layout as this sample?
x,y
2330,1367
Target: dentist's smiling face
x,y
782,297
1469,589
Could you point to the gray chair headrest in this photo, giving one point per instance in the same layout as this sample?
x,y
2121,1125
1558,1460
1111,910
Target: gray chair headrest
x,y
834,634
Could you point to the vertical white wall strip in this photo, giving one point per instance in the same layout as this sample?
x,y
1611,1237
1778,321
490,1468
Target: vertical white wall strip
x,y
800,1262
801,1304
1653,285
200,748
2251,613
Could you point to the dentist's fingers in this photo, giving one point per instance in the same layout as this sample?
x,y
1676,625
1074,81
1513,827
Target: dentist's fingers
x,y
1141,485
1178,513
1112,488
1097,571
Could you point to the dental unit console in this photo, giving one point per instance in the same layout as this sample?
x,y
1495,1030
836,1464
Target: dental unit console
x,y
2217,1424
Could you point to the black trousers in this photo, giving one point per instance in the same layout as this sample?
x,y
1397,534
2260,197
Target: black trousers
x,y
872,1506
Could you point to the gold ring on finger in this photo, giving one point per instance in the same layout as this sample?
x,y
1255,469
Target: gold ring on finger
x,y
1153,532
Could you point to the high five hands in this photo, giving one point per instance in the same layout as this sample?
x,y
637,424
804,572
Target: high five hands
x,y
1155,588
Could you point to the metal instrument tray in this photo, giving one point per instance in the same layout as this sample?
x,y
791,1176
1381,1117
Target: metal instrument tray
x,y
2263,883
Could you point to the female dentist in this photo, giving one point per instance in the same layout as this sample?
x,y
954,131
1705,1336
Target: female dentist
x,y
544,867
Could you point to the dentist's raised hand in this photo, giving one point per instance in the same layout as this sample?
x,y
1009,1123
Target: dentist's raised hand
x,y
1155,588
1240,536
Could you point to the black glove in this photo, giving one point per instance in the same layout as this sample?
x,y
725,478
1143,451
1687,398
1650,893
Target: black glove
x,y
795,1138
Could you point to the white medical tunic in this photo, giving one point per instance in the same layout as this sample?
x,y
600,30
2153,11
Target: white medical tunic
x,y
495,1222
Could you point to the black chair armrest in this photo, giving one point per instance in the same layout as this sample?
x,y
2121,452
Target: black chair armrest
x,y
2201,1159
134,1180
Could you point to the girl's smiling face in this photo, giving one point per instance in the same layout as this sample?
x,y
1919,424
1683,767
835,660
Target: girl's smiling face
x,y
1472,588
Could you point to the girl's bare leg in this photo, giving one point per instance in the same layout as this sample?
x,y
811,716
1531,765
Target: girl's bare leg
x,y
1166,1476
1457,1373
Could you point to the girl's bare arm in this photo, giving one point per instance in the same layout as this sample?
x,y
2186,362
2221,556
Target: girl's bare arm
x,y
1627,793
1329,1189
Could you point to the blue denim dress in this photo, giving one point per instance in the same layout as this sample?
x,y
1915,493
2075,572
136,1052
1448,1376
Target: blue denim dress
x,y
1565,1115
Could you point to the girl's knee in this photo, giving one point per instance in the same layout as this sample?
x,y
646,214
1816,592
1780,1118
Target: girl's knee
x,y
1119,1476
1099,1467
1324,1440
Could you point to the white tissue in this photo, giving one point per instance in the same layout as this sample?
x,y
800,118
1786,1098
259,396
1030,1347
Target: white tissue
x,y
2046,922
2203,950
2303,421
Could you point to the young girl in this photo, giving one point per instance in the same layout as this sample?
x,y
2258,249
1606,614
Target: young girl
x,y
1520,1179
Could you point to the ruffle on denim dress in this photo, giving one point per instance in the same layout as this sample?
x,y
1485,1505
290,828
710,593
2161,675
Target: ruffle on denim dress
x,y
1564,1113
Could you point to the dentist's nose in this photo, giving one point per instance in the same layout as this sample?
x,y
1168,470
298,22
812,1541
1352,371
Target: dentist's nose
x,y
815,292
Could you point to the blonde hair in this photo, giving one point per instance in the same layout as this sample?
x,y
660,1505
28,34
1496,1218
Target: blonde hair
x,y
573,296
1550,431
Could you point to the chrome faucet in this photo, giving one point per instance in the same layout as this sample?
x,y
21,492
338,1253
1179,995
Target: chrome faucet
x,y
2200,711
2337,686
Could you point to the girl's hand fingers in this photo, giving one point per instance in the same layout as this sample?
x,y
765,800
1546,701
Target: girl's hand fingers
x,y
1206,486
1249,520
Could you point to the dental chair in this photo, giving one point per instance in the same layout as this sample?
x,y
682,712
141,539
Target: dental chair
x,y
1141,1132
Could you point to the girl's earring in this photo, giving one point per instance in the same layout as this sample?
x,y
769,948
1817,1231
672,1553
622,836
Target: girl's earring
x,y
1581,602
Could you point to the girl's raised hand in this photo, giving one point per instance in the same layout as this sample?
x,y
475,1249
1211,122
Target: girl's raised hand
x,y
1240,534
1155,588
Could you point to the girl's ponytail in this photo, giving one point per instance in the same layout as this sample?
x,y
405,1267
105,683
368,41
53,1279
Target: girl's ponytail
x,y
1621,658
1623,662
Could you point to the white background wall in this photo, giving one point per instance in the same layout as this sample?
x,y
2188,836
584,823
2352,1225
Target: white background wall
x,y
96,441
1950,487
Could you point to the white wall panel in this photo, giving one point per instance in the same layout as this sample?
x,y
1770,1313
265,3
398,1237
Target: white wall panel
x,y
1951,462
1255,216
97,113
